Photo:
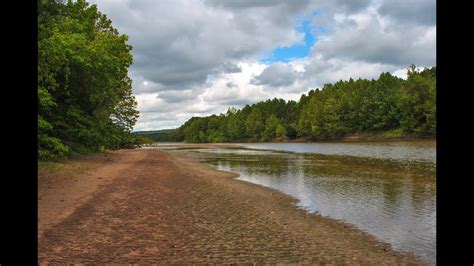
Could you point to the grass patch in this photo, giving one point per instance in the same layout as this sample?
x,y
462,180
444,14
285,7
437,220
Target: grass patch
x,y
50,167
394,133
81,169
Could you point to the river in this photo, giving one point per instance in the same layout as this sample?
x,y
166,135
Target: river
x,y
387,189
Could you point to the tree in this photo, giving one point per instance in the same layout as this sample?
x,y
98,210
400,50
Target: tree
x,y
280,130
84,92
354,106
270,127
254,123
234,127
418,102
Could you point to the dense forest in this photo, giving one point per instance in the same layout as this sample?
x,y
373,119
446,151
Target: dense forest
x,y
389,106
85,100
163,135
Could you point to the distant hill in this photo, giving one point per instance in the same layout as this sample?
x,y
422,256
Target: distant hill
x,y
163,135
146,132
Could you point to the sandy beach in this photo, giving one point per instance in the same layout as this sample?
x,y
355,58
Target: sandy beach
x,y
153,206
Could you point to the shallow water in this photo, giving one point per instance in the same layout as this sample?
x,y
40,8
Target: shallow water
x,y
385,189
421,150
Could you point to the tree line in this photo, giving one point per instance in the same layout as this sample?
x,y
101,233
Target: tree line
x,y
85,100
163,135
388,105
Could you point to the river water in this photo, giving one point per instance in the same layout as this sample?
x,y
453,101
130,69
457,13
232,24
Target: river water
x,y
386,189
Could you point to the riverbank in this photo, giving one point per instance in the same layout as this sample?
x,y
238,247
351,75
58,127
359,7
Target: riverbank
x,y
364,137
151,206
388,136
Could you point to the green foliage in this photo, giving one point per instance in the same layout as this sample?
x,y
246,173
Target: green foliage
x,y
235,126
51,148
270,127
388,106
84,93
145,140
164,135
418,102
254,124
280,130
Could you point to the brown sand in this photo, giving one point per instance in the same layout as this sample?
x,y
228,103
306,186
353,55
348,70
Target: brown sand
x,y
149,206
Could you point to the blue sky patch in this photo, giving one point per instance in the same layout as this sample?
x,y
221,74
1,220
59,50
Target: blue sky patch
x,y
300,50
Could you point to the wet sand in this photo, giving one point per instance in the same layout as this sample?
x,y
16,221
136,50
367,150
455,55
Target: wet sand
x,y
151,206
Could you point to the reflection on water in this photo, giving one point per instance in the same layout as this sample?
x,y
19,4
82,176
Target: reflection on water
x,y
422,150
392,200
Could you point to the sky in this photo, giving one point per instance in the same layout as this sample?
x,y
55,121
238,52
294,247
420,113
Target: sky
x,y
200,57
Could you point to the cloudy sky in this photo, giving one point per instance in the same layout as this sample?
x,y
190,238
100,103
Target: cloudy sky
x,y
199,57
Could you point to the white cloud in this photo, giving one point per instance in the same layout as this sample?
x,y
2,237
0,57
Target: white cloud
x,y
200,57
369,38
401,73
178,43
276,75
242,92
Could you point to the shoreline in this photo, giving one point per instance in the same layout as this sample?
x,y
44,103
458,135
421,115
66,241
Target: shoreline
x,y
348,139
369,138
192,209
